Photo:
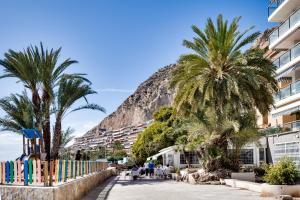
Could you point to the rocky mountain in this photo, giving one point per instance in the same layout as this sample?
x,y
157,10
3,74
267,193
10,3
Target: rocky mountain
x,y
139,107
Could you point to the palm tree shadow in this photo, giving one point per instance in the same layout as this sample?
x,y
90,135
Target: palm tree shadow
x,y
102,191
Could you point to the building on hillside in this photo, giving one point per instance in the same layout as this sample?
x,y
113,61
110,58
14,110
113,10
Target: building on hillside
x,y
96,137
284,51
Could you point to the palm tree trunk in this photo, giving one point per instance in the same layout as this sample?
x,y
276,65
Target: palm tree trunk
x,y
36,100
46,124
56,138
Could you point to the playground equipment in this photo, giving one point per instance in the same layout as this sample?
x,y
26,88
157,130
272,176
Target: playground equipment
x,y
32,142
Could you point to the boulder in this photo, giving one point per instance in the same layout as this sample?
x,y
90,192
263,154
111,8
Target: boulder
x,y
285,197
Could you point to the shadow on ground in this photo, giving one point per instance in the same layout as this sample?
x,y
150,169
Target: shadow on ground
x,y
101,192
141,181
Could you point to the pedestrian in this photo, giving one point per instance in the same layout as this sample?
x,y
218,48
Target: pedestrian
x,y
146,166
135,172
151,168
78,155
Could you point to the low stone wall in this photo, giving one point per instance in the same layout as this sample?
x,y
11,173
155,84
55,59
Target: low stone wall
x,y
256,187
276,190
243,176
73,190
265,189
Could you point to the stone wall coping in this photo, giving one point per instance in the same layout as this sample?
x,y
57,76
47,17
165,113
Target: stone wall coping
x,y
51,187
264,188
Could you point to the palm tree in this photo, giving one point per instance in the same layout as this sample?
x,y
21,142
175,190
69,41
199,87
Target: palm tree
x,y
23,66
69,92
40,72
220,76
19,113
66,137
219,73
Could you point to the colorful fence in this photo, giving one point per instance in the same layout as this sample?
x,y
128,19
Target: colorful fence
x,y
44,173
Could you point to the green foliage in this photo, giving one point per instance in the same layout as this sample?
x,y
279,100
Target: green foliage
x,y
219,88
282,173
160,134
219,73
67,136
53,92
19,113
164,114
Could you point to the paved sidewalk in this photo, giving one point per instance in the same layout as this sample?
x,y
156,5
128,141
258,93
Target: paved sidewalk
x,y
145,189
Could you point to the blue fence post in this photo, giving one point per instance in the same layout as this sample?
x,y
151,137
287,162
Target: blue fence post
x,y
7,171
26,172
60,170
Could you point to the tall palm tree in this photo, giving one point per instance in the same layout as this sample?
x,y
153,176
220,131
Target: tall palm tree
x,y
19,113
39,70
219,73
69,92
66,136
23,65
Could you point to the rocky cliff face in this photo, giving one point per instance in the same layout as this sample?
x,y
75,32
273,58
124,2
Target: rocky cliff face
x,y
148,98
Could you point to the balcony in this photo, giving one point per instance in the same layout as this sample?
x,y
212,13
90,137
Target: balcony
x,y
288,59
288,91
287,33
279,10
291,126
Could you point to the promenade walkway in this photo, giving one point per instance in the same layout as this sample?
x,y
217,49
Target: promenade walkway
x,y
119,188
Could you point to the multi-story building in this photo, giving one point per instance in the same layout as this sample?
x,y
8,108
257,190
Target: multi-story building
x,y
103,138
284,51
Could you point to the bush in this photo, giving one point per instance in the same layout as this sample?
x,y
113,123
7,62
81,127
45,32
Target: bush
x,y
259,171
282,173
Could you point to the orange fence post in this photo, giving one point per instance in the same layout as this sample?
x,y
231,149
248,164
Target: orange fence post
x,y
19,177
39,173
51,173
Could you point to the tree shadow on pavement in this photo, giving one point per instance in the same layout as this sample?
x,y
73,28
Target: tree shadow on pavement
x,y
140,181
101,192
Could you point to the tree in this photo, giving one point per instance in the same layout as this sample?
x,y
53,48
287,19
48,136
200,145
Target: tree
x,y
160,134
66,137
69,92
39,71
19,113
219,73
219,83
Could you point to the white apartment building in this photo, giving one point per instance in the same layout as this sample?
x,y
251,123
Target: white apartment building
x,y
284,50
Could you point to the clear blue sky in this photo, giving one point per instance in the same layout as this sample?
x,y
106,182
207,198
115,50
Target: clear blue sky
x,y
119,44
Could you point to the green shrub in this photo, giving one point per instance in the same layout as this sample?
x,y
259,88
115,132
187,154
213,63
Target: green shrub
x,y
282,173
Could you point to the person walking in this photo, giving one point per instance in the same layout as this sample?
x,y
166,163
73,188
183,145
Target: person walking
x,y
151,168
146,166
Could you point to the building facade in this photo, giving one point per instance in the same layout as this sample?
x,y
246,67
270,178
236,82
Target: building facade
x,y
97,137
284,51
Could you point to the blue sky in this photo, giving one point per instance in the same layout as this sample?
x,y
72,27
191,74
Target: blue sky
x,y
118,43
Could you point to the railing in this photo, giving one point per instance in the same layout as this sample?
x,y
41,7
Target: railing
x,y
273,5
291,126
288,56
288,91
44,173
285,26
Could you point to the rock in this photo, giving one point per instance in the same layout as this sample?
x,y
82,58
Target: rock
x,y
140,106
222,181
216,177
192,179
285,197
214,182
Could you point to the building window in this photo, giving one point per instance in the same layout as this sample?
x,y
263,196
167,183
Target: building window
x,y
262,155
246,156
191,157
290,150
